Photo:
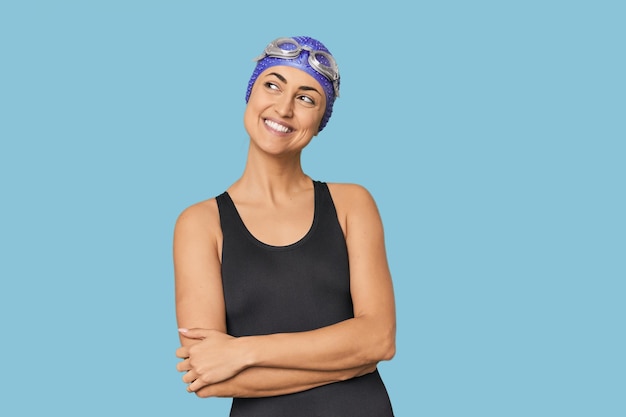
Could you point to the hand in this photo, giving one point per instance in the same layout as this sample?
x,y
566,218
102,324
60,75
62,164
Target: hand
x,y
215,358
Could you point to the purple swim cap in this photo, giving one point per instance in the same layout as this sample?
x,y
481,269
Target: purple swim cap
x,y
308,55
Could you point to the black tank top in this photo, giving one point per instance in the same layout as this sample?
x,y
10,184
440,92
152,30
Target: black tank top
x,y
294,288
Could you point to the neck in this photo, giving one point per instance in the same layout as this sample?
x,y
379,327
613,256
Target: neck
x,y
271,176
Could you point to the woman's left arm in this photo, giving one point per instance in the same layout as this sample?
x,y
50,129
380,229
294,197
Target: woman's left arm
x,y
367,338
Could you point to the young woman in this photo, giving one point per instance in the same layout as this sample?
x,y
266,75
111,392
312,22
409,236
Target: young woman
x,y
283,292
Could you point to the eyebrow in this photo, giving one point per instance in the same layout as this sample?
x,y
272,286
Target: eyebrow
x,y
302,87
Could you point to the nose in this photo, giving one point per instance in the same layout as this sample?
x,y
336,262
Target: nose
x,y
284,106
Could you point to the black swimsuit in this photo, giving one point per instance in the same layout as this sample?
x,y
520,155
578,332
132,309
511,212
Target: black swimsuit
x,y
294,288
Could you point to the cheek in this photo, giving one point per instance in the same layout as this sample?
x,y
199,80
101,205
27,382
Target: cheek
x,y
248,118
254,106
316,119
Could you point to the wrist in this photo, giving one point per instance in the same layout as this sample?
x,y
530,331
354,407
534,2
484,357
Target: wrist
x,y
248,351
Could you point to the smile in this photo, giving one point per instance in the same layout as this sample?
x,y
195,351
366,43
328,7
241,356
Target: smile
x,y
277,126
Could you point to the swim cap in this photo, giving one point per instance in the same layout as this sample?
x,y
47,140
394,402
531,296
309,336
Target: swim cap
x,y
308,55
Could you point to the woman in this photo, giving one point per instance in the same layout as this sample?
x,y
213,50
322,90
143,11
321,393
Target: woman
x,y
283,292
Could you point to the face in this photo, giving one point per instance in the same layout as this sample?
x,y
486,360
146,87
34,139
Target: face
x,y
284,111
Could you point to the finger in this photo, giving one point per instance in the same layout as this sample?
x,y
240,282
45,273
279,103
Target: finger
x,y
183,366
190,376
182,352
195,385
189,387
194,333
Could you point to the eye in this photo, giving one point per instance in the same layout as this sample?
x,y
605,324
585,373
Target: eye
x,y
307,100
271,85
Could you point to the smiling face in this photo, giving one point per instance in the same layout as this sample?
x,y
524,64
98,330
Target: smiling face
x,y
284,111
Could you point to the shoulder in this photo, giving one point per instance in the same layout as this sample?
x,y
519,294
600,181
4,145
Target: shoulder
x,y
353,202
204,211
199,219
347,194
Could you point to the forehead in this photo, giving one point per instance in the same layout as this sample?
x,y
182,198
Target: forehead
x,y
293,76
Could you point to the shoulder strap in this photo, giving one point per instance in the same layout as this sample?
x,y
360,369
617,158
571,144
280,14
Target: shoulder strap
x,y
228,212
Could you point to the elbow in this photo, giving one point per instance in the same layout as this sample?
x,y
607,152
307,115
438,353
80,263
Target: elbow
x,y
385,347
380,343
388,350
384,350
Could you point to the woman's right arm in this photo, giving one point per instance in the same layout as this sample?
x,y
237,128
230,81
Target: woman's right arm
x,y
197,269
200,305
267,382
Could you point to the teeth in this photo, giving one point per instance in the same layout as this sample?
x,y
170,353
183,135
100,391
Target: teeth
x,y
277,126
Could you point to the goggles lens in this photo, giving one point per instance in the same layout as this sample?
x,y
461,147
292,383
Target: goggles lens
x,y
320,61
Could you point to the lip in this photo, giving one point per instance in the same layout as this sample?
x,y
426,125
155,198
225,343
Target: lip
x,y
277,127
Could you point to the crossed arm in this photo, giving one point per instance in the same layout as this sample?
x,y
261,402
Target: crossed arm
x,y
216,364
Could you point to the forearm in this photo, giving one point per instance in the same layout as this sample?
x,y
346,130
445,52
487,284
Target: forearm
x,y
267,382
349,344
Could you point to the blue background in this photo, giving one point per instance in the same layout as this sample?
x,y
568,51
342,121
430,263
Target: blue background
x,y
491,134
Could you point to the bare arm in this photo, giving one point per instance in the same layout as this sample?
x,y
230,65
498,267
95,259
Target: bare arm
x,y
267,382
359,342
254,381
197,270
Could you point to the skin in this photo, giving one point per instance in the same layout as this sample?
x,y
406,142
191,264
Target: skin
x,y
275,199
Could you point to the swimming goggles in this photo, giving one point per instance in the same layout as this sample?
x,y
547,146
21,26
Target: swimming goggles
x,y
288,48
